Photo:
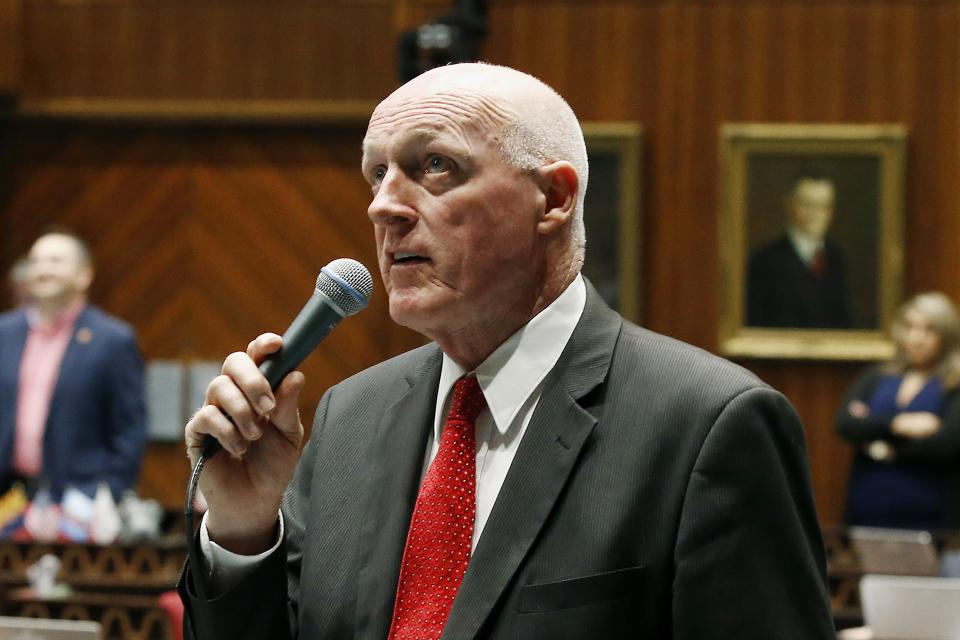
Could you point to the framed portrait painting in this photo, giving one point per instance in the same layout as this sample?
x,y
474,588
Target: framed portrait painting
x,y
811,239
612,213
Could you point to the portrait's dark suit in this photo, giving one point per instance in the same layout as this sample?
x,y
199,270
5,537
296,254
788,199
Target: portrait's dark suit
x,y
659,492
96,427
783,292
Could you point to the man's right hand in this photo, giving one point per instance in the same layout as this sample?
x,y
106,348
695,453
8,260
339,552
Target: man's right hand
x,y
261,435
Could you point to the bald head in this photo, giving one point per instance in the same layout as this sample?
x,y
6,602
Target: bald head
x,y
531,123
477,175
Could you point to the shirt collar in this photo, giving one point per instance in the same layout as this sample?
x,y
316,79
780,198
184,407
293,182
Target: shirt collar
x,y
64,318
516,368
805,245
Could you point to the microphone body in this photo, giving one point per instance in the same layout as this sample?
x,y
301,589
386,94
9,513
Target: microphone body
x,y
314,322
343,288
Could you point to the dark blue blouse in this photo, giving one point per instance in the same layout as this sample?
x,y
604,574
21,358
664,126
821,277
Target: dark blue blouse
x,y
897,493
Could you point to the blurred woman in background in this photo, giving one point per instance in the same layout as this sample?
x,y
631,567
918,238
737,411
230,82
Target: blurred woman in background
x,y
904,419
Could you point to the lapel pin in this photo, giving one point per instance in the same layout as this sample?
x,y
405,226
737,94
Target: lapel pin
x,y
84,335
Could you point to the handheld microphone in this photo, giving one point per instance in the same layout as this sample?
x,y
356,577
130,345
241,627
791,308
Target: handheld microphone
x,y
343,289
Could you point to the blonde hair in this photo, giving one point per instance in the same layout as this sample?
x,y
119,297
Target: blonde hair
x,y
941,313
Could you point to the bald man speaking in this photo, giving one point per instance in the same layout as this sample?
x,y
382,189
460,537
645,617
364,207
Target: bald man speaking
x,y
543,469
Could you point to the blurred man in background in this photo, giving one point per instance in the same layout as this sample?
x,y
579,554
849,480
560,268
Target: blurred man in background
x,y
72,408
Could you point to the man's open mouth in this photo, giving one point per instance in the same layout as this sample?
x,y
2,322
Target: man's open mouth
x,y
404,257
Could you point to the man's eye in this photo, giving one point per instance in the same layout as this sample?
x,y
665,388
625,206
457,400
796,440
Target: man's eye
x,y
438,164
379,173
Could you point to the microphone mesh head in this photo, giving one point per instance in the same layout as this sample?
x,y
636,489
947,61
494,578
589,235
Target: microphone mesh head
x,y
347,283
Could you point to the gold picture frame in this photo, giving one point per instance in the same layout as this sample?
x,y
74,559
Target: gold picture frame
x,y
612,213
843,306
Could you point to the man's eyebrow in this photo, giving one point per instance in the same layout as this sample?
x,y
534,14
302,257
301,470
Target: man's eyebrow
x,y
419,136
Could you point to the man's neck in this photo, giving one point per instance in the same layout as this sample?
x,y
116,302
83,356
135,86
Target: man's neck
x,y
471,347
48,312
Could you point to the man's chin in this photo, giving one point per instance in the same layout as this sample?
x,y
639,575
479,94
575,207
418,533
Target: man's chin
x,y
413,313
406,317
45,298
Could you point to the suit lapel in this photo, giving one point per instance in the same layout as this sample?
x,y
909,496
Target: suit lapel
x,y
397,462
72,364
543,463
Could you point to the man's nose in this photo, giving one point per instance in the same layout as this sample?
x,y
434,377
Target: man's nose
x,y
394,201
38,268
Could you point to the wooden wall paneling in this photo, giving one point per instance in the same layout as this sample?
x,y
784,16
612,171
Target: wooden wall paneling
x,y
10,47
123,194
933,202
205,237
198,111
679,67
164,474
249,212
208,49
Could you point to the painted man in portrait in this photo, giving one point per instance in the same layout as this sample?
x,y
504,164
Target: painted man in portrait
x,y
797,280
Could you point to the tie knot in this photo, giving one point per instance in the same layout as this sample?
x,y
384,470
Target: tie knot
x,y
468,400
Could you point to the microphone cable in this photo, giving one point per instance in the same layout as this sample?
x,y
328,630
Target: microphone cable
x,y
193,554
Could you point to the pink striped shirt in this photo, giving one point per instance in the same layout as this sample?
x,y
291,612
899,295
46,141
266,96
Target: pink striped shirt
x,y
39,371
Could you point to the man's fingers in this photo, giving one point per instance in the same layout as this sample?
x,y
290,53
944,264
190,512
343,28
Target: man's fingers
x,y
210,421
223,393
286,417
244,374
239,402
263,345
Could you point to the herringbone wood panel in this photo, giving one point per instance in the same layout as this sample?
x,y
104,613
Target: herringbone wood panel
x,y
680,67
205,238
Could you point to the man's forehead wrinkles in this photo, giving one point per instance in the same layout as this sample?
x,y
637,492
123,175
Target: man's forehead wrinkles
x,y
467,107
417,135
425,123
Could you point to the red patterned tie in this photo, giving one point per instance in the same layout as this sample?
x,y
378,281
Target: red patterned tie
x,y
441,531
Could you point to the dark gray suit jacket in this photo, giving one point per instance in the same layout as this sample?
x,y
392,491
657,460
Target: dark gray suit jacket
x,y
659,492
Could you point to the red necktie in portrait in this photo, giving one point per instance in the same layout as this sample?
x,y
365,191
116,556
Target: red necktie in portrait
x,y
441,530
818,265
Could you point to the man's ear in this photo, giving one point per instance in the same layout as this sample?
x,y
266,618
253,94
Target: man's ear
x,y
561,186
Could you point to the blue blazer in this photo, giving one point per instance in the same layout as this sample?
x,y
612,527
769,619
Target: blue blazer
x,y
96,428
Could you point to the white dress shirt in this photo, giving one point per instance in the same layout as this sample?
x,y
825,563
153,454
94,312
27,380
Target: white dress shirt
x,y
511,379
804,244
